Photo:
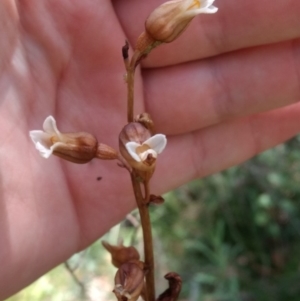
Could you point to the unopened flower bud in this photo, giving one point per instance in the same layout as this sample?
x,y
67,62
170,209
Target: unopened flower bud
x,y
80,147
139,148
172,293
146,121
121,254
170,19
129,281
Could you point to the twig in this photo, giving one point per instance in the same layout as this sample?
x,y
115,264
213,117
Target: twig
x,y
75,278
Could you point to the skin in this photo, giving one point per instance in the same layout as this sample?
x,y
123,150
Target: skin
x,y
226,90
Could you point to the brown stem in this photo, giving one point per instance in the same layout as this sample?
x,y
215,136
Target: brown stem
x,y
147,236
135,60
147,192
130,93
140,200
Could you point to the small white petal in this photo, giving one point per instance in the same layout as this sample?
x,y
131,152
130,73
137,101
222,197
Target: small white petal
x,y
131,148
206,3
157,142
145,154
50,127
207,10
207,7
44,151
41,137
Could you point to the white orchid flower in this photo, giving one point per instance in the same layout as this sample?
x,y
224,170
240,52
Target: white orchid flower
x,y
171,18
152,146
139,148
47,140
80,147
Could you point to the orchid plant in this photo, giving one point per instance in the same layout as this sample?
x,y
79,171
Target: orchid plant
x,y
139,147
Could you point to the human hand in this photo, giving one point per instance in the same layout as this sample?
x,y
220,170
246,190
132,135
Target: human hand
x,y
225,91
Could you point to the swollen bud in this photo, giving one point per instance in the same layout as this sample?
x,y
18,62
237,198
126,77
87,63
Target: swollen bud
x,y
146,121
78,147
170,19
172,293
167,22
129,281
121,254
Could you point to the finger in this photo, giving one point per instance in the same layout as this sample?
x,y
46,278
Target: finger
x,y
221,88
8,32
236,25
213,149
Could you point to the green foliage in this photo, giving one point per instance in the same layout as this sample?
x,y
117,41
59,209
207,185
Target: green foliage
x,y
236,235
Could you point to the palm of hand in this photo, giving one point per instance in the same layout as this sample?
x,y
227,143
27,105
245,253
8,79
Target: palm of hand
x,y
68,65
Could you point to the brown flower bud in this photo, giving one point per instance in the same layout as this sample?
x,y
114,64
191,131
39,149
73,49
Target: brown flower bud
x,y
129,281
170,19
78,147
146,121
139,148
121,254
172,293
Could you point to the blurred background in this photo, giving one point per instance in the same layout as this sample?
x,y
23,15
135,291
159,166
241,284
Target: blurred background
x,y
233,236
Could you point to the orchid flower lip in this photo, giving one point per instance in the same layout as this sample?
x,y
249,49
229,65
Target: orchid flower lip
x,y
131,147
145,154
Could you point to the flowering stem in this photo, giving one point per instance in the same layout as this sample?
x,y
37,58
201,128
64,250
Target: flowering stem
x,y
130,93
147,236
142,203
